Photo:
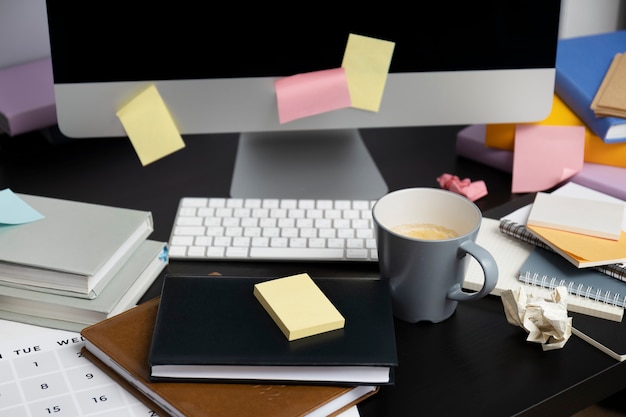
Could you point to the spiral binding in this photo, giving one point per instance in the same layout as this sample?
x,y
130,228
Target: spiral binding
x,y
580,290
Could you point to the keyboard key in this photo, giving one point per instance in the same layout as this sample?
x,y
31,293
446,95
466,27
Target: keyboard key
x,y
236,252
357,253
177,251
189,230
194,202
196,251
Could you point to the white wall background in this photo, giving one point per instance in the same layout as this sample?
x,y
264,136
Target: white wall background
x,y
586,17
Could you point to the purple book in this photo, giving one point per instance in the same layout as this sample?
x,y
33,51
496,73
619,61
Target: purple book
x,y
470,144
27,97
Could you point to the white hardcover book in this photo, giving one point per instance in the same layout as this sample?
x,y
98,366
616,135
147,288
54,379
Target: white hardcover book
x,y
75,249
72,313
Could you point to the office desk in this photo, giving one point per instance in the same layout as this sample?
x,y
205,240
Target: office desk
x,y
474,363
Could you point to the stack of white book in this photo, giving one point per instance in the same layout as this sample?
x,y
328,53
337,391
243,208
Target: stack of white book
x,y
77,264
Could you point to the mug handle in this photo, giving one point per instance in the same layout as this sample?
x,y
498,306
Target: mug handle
x,y
490,270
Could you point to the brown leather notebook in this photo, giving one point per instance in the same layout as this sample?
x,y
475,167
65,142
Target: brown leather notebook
x,y
120,345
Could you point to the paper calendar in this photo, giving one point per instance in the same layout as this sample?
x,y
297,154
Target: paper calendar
x,y
46,375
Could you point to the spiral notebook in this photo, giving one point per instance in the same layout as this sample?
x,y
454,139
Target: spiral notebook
x,y
549,270
520,232
510,254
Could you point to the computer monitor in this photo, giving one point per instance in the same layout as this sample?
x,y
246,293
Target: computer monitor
x,y
453,63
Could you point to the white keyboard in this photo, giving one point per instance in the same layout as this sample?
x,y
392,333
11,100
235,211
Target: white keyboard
x,y
273,230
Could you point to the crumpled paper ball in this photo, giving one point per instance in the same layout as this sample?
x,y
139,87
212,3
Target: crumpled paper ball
x,y
545,321
472,190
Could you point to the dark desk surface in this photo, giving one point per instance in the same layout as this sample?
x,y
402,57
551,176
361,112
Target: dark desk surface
x,y
475,363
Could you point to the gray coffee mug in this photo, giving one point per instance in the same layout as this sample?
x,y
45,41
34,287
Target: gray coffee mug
x,y
426,275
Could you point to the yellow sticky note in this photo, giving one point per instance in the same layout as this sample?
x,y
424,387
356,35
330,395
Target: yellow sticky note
x,y
366,61
298,306
149,126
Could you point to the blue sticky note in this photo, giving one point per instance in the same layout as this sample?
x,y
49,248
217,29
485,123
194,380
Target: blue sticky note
x,y
13,210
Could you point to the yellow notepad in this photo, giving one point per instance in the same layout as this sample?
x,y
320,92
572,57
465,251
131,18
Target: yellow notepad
x,y
298,306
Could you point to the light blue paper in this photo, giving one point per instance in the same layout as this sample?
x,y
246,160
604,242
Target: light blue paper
x,y
13,210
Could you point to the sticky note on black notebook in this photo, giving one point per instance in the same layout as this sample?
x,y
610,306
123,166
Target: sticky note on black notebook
x,y
298,306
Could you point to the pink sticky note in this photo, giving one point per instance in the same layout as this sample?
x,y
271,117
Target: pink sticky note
x,y
310,93
545,156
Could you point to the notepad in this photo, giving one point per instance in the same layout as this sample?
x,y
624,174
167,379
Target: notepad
x,y
298,306
578,215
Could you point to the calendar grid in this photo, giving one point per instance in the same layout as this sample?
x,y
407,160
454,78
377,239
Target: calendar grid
x,y
47,376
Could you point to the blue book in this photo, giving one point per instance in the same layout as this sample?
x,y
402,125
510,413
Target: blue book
x,y
581,64
550,270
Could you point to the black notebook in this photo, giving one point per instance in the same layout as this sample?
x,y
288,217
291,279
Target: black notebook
x,y
213,328
549,270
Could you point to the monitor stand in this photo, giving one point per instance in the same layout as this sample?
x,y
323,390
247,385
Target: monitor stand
x,y
331,164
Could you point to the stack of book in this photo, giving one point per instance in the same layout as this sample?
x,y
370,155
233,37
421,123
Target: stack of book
x,y
585,246
541,258
75,264
208,346
588,95
582,68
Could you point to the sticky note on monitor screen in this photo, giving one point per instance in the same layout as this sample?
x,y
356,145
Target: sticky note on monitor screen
x,y
311,93
367,62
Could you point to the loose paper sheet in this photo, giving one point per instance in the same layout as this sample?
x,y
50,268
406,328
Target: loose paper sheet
x,y
546,322
545,156
150,127
367,62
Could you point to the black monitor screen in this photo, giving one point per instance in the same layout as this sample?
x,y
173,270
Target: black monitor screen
x,y
130,40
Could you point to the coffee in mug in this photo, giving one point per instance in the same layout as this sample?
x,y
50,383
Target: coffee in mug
x,y
426,231
425,238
